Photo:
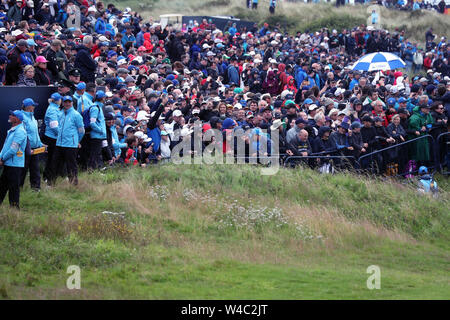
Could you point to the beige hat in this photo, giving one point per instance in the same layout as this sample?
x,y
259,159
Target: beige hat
x,y
276,124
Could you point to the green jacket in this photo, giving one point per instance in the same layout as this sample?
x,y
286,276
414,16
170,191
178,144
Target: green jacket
x,y
420,150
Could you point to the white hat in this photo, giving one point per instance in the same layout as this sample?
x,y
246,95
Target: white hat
x,y
274,43
146,138
393,89
237,106
257,60
102,38
285,93
139,134
206,46
121,61
276,124
339,91
177,113
92,9
126,128
312,107
142,115
272,60
195,111
16,33
210,54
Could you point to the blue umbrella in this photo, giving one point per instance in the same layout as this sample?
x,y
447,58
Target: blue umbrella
x,y
378,61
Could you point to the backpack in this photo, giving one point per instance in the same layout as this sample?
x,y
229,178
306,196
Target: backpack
x,y
87,118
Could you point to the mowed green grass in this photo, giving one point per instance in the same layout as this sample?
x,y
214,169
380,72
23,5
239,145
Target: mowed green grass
x,y
225,232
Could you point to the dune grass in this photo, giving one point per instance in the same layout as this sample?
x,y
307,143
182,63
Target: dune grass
x,y
225,232
299,16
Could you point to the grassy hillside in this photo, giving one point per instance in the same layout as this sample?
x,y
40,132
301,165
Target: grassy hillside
x,y
299,16
205,232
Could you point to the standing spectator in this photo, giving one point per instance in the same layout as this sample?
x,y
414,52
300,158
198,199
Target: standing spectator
x,y
28,11
52,61
44,15
84,61
12,159
14,67
14,12
420,123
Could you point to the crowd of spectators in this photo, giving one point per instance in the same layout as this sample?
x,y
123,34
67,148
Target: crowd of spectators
x,y
128,91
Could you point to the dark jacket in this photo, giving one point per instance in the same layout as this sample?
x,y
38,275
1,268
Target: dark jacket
x,y
52,64
321,145
438,126
14,67
85,63
339,141
368,136
43,77
297,146
356,141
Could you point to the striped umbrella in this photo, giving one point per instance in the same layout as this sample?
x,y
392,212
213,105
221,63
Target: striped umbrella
x,y
378,61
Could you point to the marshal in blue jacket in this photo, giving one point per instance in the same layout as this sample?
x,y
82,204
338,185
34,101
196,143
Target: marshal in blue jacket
x,y
13,151
71,129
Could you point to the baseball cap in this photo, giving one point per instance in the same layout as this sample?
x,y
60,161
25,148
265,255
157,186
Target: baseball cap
x,y
81,86
401,100
56,96
391,101
177,113
29,102
67,98
16,113
100,94
300,120
41,59
355,125
22,43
